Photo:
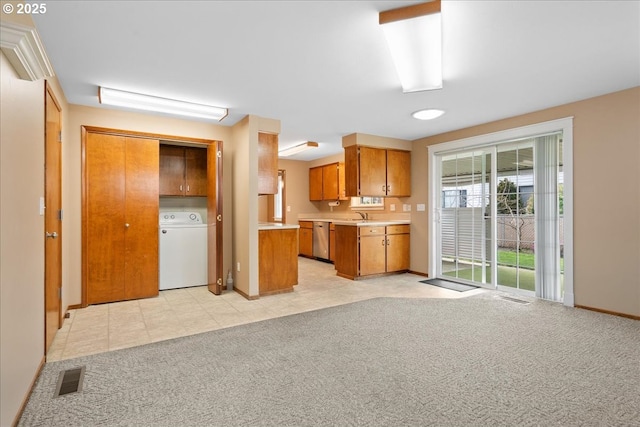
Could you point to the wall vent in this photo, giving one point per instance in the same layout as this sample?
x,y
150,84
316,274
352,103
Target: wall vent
x,y
69,381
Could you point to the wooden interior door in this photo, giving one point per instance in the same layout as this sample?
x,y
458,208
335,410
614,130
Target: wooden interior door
x,y
104,218
141,206
215,218
52,218
373,171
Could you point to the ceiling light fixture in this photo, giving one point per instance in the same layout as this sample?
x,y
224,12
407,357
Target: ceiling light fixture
x,y
139,101
297,149
428,114
414,34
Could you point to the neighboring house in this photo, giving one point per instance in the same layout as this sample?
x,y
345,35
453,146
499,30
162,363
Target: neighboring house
x,y
606,220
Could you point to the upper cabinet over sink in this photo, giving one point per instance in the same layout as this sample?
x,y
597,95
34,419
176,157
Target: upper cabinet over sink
x,y
377,172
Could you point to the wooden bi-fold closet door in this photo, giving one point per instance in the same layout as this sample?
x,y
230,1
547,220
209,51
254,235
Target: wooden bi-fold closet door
x,y
121,218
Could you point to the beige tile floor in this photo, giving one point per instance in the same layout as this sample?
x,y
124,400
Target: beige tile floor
x,y
180,312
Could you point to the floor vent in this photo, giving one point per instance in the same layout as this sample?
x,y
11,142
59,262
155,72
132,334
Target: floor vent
x,y
69,381
516,300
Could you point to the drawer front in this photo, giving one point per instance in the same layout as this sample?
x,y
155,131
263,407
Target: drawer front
x,y
398,229
306,224
371,231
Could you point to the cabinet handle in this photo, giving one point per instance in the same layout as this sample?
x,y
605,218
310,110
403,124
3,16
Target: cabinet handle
x,y
384,188
219,217
387,242
382,242
126,225
181,187
188,188
388,189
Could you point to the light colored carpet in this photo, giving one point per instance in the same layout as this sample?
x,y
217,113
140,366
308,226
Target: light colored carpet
x,y
477,361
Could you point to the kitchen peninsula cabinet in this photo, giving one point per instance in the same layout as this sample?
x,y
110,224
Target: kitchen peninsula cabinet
x,y
377,172
367,250
120,222
183,171
327,182
278,258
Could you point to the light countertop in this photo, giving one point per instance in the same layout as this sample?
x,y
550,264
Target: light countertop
x,y
359,222
276,226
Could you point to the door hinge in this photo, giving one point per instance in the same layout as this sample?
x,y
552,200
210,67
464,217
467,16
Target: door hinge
x,y
60,136
219,154
59,214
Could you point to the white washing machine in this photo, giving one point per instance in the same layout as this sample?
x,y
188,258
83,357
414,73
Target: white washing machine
x,y
183,250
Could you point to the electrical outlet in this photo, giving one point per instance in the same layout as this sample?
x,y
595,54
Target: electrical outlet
x,y
392,207
238,267
406,208
288,208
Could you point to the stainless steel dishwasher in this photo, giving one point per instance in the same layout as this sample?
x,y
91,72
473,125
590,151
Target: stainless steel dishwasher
x,y
321,239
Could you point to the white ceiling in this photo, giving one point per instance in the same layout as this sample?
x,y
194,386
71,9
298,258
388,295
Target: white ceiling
x,y
324,69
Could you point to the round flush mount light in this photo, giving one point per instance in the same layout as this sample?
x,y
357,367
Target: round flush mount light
x,y
428,114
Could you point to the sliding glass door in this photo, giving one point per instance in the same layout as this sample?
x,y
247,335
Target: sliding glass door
x,y
499,215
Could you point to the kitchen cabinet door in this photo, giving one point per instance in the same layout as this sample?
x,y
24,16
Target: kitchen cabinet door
x,y
372,255
195,160
373,171
306,238
267,163
398,173
171,170
330,189
315,183
397,252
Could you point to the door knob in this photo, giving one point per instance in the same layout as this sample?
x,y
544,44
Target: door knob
x,y
126,225
51,235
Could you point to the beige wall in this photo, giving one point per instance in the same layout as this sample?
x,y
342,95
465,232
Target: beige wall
x,y
22,229
606,155
22,247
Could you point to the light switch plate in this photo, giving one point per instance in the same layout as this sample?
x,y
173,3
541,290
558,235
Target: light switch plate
x,y
288,208
420,207
41,206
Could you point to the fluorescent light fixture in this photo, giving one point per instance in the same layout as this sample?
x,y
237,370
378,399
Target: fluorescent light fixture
x,y
428,114
414,35
139,101
297,149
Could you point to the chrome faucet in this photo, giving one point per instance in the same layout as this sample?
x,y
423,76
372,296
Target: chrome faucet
x,y
364,216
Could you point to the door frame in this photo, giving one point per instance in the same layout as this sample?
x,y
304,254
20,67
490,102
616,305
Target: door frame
x,y
165,138
565,125
52,291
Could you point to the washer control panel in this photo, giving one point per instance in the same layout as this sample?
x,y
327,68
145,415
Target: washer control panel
x,y
180,218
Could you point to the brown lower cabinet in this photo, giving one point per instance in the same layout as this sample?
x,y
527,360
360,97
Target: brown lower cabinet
x,y
278,266
306,238
120,228
371,250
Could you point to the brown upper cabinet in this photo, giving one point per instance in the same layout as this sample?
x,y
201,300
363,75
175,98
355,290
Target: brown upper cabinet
x,y
183,171
377,171
267,163
327,182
